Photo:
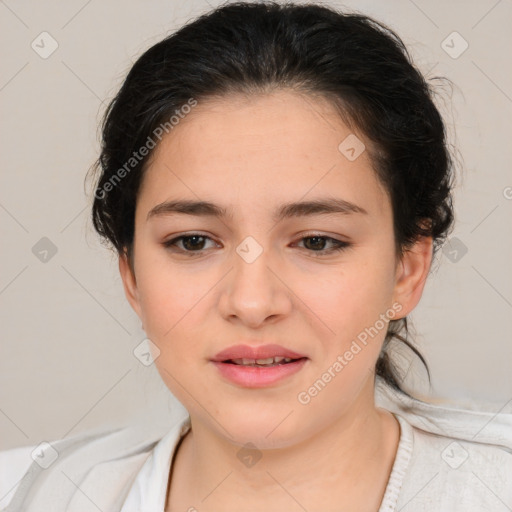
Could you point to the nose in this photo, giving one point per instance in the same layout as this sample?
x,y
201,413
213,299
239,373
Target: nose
x,y
254,292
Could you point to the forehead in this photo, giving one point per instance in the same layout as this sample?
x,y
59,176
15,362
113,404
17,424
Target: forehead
x,y
282,123
283,145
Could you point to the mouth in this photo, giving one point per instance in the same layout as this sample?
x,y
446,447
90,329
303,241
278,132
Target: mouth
x,y
259,373
268,362
261,354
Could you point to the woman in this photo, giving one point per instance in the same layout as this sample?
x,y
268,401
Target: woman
x,y
275,180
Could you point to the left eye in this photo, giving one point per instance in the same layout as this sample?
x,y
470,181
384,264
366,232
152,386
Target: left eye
x,y
338,245
195,242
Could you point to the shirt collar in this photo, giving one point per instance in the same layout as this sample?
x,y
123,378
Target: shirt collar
x,y
149,489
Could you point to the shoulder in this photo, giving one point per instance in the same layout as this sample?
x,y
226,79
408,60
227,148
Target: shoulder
x,y
106,460
14,463
457,460
446,472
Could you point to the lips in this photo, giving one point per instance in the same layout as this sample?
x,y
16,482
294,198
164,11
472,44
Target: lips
x,y
258,367
238,352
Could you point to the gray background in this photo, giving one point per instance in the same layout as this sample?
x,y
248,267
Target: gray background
x,y
68,334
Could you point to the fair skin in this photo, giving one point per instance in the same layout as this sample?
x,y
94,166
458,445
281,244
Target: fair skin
x,y
250,157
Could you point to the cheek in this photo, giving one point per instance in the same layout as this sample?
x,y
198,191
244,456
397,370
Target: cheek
x,y
167,297
345,299
176,304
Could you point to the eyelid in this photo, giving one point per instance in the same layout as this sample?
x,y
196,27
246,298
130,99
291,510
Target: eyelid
x,y
308,234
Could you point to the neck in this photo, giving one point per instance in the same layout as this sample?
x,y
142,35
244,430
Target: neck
x,y
334,465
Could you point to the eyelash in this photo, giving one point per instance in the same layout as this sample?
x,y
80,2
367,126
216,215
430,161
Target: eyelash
x,y
339,245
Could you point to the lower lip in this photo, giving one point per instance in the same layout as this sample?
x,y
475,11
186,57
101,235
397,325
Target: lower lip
x,y
258,377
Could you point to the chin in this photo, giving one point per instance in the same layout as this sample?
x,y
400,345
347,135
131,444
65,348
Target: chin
x,y
264,431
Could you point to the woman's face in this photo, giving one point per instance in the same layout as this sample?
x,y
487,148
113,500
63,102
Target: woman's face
x,y
255,277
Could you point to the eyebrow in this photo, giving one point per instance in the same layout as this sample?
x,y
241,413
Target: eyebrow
x,y
320,206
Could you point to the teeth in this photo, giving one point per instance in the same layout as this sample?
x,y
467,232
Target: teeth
x,y
262,362
269,360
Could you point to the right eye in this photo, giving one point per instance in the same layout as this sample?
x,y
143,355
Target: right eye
x,y
191,244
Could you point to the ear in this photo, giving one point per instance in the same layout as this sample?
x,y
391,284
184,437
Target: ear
x,y
129,283
411,274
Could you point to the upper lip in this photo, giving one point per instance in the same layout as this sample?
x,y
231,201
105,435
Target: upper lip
x,y
260,352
